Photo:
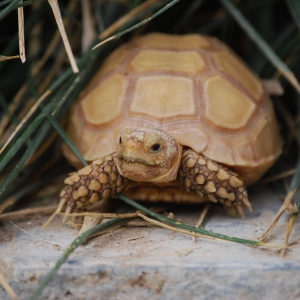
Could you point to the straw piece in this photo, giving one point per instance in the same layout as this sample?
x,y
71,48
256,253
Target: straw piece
x,y
288,233
7,287
127,17
261,44
21,33
28,115
4,58
285,204
59,21
137,25
88,28
278,176
27,212
203,215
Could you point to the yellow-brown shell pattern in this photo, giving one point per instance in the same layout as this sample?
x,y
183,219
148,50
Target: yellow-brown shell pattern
x,y
193,87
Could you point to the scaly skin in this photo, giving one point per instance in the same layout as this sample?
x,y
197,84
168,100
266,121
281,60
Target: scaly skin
x,y
199,174
141,151
97,181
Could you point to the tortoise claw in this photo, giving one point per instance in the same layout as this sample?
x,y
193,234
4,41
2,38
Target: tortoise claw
x,y
67,213
248,204
240,211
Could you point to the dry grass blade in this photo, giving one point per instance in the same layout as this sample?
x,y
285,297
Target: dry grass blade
x,y
7,288
288,233
21,33
8,202
284,206
100,215
35,70
28,212
10,112
28,115
161,224
89,32
203,215
4,58
127,17
88,223
192,233
14,105
261,44
60,24
278,176
139,24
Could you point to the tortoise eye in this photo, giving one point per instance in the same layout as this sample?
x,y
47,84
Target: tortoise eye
x,y
120,140
155,147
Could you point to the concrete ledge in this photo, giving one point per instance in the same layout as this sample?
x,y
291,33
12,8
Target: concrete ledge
x,y
154,263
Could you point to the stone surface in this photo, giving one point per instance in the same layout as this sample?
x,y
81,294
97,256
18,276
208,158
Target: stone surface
x,y
154,263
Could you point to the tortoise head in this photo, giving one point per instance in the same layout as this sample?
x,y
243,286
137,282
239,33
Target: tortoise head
x,y
148,155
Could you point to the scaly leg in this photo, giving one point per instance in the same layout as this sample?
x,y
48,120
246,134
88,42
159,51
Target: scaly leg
x,y
92,183
208,179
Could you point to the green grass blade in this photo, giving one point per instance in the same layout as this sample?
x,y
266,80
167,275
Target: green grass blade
x,y
56,125
26,156
166,7
65,91
22,188
184,226
294,6
77,242
99,16
4,106
66,138
261,44
187,15
10,7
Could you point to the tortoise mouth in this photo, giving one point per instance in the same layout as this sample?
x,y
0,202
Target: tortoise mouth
x,y
137,169
130,159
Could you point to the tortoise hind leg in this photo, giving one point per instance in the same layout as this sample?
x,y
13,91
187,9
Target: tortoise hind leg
x,y
95,182
199,174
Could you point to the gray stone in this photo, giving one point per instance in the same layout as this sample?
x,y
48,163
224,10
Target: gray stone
x,y
155,263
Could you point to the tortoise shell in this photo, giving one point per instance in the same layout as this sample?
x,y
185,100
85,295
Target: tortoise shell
x,y
193,87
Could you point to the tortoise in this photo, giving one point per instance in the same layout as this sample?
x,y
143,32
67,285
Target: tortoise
x,y
174,118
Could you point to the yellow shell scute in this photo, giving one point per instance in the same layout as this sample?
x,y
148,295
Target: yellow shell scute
x,y
261,138
232,65
226,107
87,143
220,149
190,62
179,42
163,94
193,87
112,63
189,133
243,151
103,104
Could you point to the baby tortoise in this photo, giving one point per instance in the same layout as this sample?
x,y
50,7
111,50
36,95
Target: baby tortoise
x,y
172,118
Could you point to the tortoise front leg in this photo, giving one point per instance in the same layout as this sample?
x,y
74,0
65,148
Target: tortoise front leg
x,y
92,183
208,179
